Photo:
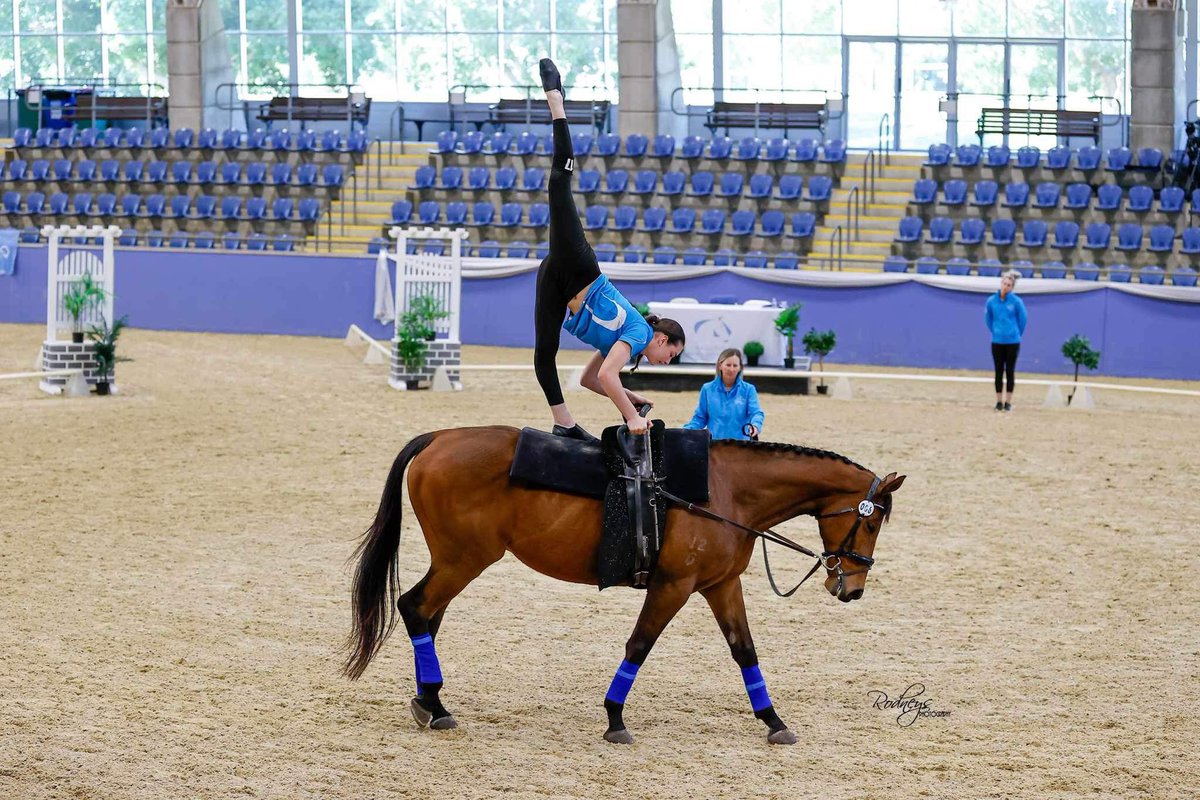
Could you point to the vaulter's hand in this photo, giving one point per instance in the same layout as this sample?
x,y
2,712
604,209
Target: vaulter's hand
x,y
638,424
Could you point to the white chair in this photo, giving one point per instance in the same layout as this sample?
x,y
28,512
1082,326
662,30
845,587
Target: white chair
x,y
683,300
757,304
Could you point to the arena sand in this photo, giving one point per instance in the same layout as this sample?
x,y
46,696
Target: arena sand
x,y
174,592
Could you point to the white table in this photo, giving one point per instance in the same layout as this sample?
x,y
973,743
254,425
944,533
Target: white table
x,y
713,327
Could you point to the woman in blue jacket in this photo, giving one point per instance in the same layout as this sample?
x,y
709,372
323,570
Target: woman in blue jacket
x,y
728,405
1005,316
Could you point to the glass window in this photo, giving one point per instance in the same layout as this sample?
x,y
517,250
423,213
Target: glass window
x,y
322,61
34,19
126,16
527,15
870,18
6,26
322,15
373,64
372,15
158,63
582,15
475,61
80,16
752,64
812,62
472,15
1041,19
266,61
265,15
924,80
691,17
81,57
980,76
423,15
751,16
1097,19
521,54
696,68
231,13
8,66
611,6
127,56
813,16
39,58
581,56
978,19
924,18
422,67
158,16
1095,68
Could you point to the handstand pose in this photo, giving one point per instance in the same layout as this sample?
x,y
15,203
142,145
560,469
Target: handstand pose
x,y
569,280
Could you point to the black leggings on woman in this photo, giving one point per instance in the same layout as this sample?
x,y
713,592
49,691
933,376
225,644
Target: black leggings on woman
x,y
569,268
1004,356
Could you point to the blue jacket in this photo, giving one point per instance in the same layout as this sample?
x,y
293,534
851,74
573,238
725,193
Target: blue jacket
x,y
724,411
606,318
1005,318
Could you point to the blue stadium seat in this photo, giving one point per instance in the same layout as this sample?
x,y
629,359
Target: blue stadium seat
x,y
664,146
756,259
683,220
731,184
533,180
910,230
255,173
971,231
541,250
1086,271
181,171
255,208
806,151
525,144
445,142
328,141
401,212
635,145
12,202
595,218
1058,158
482,214
1088,158
1150,158
624,218
895,264
1129,237
39,170
820,188
16,169
673,183
518,249
834,152
280,141
1162,239
456,213
62,170
498,143
615,182
43,138
57,205
206,172
958,266
939,155
284,243
423,178
1120,273
82,204
1023,267
183,138
985,193
1003,232
488,248
928,265
581,144
967,155
281,209
725,258
742,223
1016,195
1054,269
131,205
155,238
1108,197
205,240
998,157
941,230
608,145
954,193
230,174
231,139
1066,235
712,221
702,184
1190,241
771,224
606,252
470,143
1141,199
653,220
1152,275
747,149
159,138
1079,196
231,207
786,261
924,192
720,148
510,215
34,203
1097,235
1170,200
790,187
451,179
85,171
760,186
156,204
634,254
1028,157
1183,276
804,223
775,150
429,212
206,206
692,148
645,182
989,268
22,137
539,216
1046,195
377,245
1118,159
1033,233
665,254
128,237
256,241
479,178
694,257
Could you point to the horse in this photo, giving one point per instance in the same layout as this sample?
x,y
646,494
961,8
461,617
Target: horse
x,y
471,513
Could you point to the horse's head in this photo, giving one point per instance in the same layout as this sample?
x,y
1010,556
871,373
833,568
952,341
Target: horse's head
x,y
849,526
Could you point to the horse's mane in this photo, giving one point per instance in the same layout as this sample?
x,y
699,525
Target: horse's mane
x,y
783,447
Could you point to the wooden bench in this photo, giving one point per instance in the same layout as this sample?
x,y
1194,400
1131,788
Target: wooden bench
x,y
788,116
315,109
535,112
89,107
1039,122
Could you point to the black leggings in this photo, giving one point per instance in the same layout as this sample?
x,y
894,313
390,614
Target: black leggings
x,y
569,268
1004,356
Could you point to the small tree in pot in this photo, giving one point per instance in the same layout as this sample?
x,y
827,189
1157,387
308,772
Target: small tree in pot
x,y
819,343
1079,350
411,345
753,351
83,293
786,323
104,342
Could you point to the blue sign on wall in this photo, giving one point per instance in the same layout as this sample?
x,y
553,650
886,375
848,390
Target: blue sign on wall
x,y
8,251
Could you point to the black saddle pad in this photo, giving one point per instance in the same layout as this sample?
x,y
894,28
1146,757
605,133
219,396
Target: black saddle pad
x,y
569,465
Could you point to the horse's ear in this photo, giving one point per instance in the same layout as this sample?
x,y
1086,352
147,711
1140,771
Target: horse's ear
x,y
891,483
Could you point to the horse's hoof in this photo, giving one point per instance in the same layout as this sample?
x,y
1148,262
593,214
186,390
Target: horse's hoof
x,y
622,736
443,724
783,736
422,716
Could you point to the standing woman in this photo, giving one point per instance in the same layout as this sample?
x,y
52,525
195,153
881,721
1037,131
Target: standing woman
x,y
728,405
1005,315
569,283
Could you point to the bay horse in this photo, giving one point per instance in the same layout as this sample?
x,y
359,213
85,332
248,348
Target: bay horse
x,y
471,514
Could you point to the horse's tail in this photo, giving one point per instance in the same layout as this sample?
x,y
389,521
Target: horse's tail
x,y
376,581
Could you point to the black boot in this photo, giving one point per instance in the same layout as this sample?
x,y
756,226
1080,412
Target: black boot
x,y
551,80
575,432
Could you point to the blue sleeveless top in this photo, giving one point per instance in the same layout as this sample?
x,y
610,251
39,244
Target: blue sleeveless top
x,y
606,318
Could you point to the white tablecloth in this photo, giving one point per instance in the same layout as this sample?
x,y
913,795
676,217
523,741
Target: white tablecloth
x,y
712,327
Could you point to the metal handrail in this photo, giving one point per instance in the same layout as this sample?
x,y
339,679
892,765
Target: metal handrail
x,y
393,129
869,169
235,104
838,238
853,212
885,144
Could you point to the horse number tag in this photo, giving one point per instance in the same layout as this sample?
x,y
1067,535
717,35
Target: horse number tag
x,y
866,508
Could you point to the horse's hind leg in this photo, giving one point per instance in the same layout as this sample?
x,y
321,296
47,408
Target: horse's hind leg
x,y
728,606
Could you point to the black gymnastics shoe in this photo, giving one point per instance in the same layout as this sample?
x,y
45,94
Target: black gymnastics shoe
x,y
575,432
551,80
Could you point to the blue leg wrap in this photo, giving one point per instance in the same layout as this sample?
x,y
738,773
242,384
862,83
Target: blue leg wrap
x,y
622,682
428,668
756,687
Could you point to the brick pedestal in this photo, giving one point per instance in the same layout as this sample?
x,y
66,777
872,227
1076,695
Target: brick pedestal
x,y
439,353
64,356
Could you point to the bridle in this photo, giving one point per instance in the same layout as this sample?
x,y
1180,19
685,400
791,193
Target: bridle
x,y
831,560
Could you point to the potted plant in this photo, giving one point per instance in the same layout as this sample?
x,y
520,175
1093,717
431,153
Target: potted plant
x,y
411,345
81,295
786,323
642,308
428,310
1079,350
819,343
104,341
753,351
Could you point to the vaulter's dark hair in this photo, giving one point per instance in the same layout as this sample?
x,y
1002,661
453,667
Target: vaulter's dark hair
x,y
672,329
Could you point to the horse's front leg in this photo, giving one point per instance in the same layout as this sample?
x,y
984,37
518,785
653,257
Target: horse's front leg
x,y
729,608
663,601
